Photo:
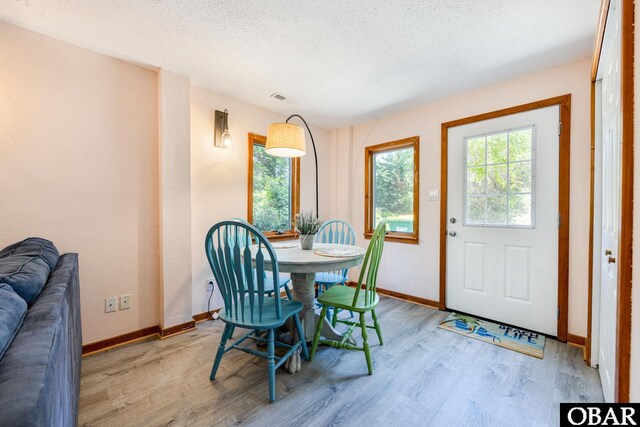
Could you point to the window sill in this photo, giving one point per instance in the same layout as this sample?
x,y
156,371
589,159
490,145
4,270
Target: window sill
x,y
272,237
396,237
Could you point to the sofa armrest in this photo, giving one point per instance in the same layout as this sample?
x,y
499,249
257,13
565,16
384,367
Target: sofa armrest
x,y
40,372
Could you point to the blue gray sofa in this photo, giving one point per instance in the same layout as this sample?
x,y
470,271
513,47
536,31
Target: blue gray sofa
x,y
40,335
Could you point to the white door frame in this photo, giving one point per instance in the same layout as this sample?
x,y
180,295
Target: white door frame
x,y
625,250
593,339
564,102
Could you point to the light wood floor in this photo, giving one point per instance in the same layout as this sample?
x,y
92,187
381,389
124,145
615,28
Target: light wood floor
x,y
423,376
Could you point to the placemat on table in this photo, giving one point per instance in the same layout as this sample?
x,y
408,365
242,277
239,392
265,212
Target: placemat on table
x,y
284,245
337,252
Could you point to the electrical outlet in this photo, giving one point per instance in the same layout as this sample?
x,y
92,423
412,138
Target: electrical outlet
x,y
125,302
110,304
209,284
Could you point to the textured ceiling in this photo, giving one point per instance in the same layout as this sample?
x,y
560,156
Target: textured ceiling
x,y
341,61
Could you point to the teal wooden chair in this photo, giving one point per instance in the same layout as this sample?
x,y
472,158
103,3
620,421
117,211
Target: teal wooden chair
x,y
242,286
284,279
334,231
361,299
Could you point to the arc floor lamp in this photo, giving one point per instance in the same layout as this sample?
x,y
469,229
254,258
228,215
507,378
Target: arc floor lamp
x,y
287,140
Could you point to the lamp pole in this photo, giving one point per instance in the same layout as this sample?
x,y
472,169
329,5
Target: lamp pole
x,y
315,154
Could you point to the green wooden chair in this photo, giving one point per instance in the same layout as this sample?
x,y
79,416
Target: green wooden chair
x,y
361,299
242,286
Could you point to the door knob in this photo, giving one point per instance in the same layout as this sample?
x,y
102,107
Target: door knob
x,y
452,233
452,220
607,252
611,260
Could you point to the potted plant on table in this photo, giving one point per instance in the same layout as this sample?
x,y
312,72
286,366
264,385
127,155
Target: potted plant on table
x,y
307,225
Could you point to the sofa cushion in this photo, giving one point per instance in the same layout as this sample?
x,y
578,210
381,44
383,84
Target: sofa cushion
x,y
12,311
25,274
26,265
34,247
9,250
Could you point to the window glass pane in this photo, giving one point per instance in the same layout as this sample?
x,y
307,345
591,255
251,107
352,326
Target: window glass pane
x,y
497,179
520,177
475,151
497,148
271,191
475,209
497,209
499,188
393,189
520,144
520,209
475,180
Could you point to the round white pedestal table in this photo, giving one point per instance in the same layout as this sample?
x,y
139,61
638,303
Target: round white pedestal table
x,y
303,266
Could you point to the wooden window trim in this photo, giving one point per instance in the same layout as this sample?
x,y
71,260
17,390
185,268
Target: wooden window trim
x,y
295,189
392,236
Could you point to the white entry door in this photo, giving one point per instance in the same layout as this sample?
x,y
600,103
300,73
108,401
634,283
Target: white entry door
x,y
502,207
609,72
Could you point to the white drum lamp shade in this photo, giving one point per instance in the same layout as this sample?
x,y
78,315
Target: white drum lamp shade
x,y
285,140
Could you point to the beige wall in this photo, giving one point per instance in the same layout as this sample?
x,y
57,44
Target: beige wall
x,y
174,110
414,269
78,165
87,126
82,159
219,176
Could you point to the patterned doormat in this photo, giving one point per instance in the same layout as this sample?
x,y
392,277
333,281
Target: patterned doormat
x,y
520,340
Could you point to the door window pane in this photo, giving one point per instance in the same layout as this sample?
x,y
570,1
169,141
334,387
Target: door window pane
x,y
520,177
497,209
520,209
393,189
520,144
476,179
497,179
476,210
475,151
497,148
499,187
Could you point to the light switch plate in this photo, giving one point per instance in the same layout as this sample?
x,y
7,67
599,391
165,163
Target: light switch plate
x,y
434,195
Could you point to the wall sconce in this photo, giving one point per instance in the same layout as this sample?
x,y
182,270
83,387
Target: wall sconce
x,y
222,136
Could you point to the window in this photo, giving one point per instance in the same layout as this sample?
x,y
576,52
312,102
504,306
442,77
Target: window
x,y
274,190
499,182
391,189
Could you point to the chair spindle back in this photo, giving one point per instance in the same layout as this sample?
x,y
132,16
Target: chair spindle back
x,y
336,231
228,248
370,266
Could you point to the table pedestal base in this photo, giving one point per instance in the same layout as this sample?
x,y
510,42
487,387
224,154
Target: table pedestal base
x,y
303,291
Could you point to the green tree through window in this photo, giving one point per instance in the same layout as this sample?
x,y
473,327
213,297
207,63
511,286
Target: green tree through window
x,y
393,189
499,181
273,190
